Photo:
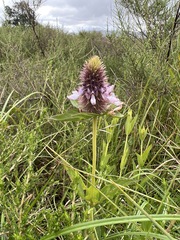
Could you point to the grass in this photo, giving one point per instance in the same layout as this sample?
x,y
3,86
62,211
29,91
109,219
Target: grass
x,y
45,163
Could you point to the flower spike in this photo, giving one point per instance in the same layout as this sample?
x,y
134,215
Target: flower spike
x,y
95,94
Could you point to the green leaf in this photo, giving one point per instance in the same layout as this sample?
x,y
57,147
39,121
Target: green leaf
x,y
142,158
112,192
146,153
77,181
92,195
137,235
142,133
75,103
73,115
117,115
146,226
124,158
104,161
130,122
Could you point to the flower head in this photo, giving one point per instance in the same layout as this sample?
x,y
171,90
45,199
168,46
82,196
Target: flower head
x,y
94,94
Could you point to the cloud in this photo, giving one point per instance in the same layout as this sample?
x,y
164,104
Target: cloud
x,y
74,15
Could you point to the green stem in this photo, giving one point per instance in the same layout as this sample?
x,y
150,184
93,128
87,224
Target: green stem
x,y
141,147
93,179
94,137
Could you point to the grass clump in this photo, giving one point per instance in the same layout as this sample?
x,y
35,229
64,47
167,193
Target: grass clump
x,y
45,164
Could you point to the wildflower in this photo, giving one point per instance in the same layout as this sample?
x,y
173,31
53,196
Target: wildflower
x,y
95,94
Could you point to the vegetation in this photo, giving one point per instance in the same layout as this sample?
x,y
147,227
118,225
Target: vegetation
x,y
21,13
46,163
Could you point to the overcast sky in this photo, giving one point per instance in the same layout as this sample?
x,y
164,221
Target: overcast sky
x,y
74,15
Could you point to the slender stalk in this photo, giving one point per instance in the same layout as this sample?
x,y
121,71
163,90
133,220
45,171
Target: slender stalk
x,y
141,147
93,179
94,137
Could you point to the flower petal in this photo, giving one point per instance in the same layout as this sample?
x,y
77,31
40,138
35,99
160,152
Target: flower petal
x,y
93,100
112,99
74,96
109,89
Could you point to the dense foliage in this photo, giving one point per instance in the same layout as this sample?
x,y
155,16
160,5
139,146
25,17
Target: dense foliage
x,y
45,164
20,14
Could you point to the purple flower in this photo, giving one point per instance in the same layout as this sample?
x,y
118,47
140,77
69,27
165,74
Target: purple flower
x,y
95,94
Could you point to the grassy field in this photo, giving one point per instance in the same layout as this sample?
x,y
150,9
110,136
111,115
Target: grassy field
x,y
46,164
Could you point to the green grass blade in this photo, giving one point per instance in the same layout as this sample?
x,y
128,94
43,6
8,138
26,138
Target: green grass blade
x,y
145,234
111,221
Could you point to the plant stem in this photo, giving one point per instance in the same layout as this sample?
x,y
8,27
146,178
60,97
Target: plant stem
x,y
93,179
94,137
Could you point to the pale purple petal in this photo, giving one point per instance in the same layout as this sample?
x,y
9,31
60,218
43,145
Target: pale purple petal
x,y
112,99
109,89
118,102
88,95
74,96
80,90
93,100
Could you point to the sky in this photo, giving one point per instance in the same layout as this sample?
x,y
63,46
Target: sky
x,y
73,15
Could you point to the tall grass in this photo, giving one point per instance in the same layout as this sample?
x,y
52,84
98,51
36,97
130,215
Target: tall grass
x,y
45,164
